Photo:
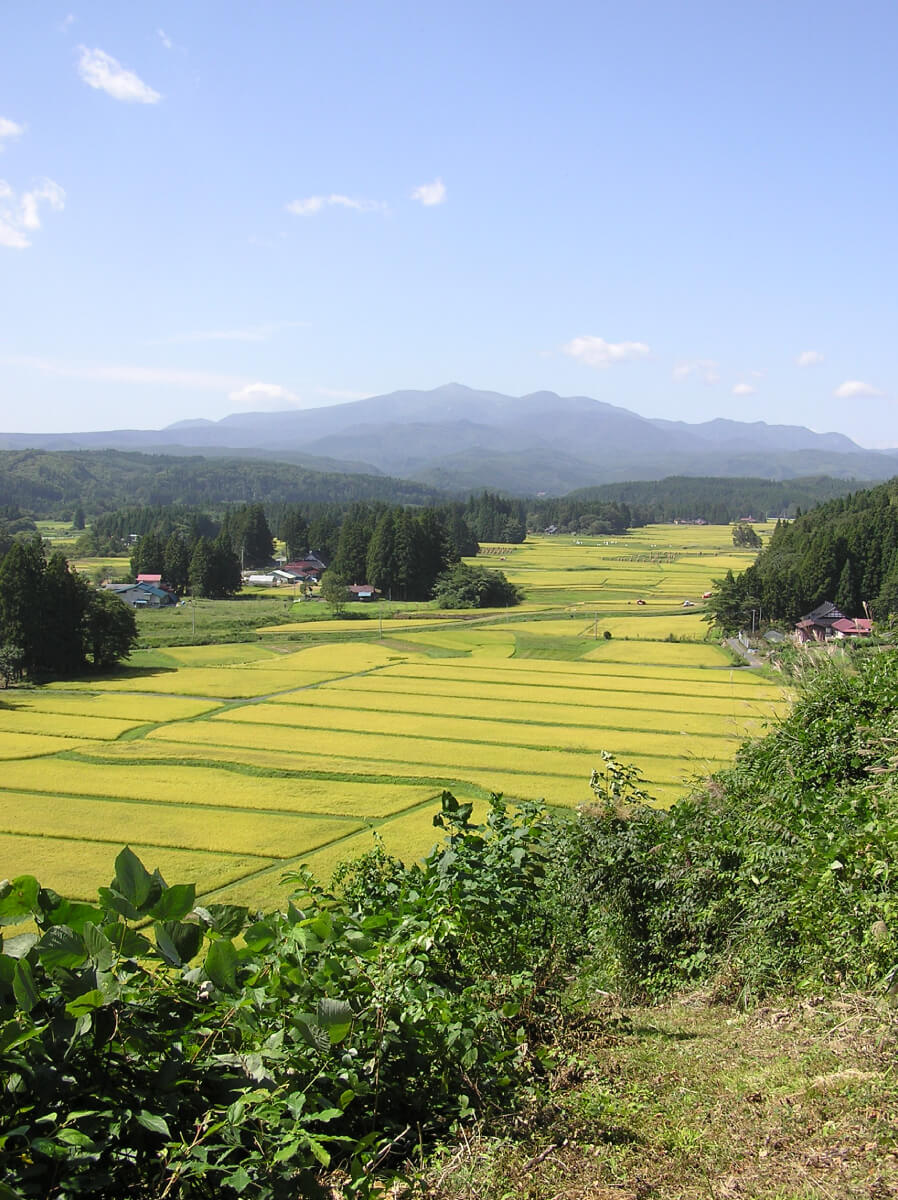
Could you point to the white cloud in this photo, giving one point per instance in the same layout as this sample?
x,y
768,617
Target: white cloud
x,y
314,204
66,21
809,358
596,352
705,368
855,387
20,215
166,376
264,397
100,70
9,130
743,389
164,39
430,193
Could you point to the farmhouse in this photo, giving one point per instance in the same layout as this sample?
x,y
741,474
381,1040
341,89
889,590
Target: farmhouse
x,y
826,621
142,595
307,568
362,591
817,625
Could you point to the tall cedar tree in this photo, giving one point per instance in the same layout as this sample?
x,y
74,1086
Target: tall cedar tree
x,y
53,620
294,533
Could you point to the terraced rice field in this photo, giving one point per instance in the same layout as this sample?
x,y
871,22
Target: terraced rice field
x,y
229,764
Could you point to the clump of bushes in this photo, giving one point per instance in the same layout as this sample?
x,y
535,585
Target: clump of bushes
x,y
779,870
153,1046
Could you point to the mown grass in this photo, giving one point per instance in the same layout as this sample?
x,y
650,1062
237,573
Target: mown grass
x,y
695,1100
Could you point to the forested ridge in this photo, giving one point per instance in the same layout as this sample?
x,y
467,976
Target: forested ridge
x,y
54,483
717,500
51,483
844,551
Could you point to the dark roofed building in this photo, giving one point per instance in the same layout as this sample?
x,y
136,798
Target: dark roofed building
x,y
817,626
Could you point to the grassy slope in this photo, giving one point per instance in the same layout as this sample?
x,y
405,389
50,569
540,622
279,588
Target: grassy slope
x,y
788,1102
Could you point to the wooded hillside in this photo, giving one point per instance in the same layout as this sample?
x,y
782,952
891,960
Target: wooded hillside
x,y
845,551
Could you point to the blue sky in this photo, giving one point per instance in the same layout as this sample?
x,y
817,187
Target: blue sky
x,y
684,208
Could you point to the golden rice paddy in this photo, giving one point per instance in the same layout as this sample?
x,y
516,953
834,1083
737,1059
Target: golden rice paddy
x,y
228,764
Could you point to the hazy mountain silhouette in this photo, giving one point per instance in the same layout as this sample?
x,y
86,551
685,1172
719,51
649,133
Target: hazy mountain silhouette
x,y
457,437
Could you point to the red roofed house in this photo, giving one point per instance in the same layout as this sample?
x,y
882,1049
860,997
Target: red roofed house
x,y
362,591
853,627
826,621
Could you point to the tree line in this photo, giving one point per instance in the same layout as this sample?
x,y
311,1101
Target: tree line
x,y
717,500
52,622
400,551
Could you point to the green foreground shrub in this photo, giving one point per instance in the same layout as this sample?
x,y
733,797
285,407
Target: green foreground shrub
x,y
150,1046
782,869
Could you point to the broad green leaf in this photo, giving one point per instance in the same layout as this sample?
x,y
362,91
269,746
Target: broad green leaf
x,y
108,985
114,901
259,936
127,942
239,1180
85,1003
336,1017
74,1137
286,1151
325,1115
6,1193
154,1123
312,1032
57,911
12,1035
175,902
221,965
227,919
61,947
18,899
166,946
99,948
18,947
319,1151
23,986
186,936
132,879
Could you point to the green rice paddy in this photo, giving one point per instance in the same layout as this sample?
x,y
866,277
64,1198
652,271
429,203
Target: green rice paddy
x,y
231,763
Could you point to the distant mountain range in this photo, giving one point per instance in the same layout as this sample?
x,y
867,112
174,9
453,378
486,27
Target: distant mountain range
x,y
457,439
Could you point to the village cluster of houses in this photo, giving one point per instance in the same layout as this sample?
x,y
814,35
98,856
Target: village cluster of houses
x,y
151,591
306,570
